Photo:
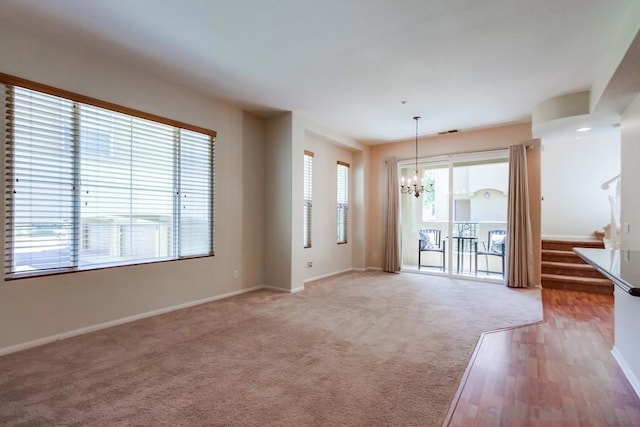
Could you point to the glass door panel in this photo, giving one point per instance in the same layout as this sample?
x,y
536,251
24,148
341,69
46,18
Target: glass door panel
x,y
480,216
425,220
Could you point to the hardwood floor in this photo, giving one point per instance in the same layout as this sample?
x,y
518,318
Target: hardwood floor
x,y
556,372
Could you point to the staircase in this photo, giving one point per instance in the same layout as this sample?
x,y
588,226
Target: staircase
x,y
563,269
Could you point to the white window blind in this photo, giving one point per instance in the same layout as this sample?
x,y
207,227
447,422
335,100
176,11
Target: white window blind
x,y
343,201
308,197
126,188
40,167
196,209
91,187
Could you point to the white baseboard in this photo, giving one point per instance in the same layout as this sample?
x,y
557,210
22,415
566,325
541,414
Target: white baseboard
x,y
289,291
633,379
324,276
116,322
314,278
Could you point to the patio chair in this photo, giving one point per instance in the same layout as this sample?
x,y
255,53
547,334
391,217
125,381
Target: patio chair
x,y
494,246
429,240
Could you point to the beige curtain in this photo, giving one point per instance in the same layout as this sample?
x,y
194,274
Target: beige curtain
x,y
391,222
520,271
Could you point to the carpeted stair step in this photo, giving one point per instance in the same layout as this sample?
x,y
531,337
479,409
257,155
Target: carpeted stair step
x,y
583,284
553,255
570,269
567,245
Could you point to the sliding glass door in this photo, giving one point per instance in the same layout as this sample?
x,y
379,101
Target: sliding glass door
x,y
458,225
429,215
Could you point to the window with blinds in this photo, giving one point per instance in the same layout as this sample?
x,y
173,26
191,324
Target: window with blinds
x,y
308,198
90,187
343,201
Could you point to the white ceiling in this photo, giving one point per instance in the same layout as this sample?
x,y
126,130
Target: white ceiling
x,y
348,64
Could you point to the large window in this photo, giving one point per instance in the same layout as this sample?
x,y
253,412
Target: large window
x,y
343,201
308,197
90,187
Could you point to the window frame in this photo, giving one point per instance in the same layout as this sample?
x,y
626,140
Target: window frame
x,y
342,213
307,216
76,239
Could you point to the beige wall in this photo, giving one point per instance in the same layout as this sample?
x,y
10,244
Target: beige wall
x,y
253,173
277,212
471,141
358,215
287,136
327,256
331,257
32,309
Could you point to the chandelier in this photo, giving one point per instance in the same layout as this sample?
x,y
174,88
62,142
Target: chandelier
x,y
413,188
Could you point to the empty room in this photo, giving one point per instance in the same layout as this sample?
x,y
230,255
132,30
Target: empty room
x,y
286,213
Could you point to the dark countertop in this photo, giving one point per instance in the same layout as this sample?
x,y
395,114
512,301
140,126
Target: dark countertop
x,y
621,266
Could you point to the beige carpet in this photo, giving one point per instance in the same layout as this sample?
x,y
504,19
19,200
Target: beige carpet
x,y
360,349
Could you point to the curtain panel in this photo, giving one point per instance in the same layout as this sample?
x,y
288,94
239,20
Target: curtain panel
x,y
520,269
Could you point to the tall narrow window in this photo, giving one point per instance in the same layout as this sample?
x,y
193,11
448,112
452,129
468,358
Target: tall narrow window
x,y
343,201
308,197
91,187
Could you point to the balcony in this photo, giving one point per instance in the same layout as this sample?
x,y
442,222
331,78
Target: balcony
x,y
459,255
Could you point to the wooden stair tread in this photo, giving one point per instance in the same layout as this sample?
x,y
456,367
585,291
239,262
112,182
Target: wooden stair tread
x,y
576,279
559,252
569,268
571,265
577,242
558,255
568,245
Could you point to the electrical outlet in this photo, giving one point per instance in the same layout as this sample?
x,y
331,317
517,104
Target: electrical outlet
x,y
235,274
309,264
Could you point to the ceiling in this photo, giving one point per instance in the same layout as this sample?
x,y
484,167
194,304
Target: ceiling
x,y
350,64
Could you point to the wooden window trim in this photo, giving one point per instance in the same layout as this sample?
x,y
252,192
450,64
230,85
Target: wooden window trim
x,y
8,79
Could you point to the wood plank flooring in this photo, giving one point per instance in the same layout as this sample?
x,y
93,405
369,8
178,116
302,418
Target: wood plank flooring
x,y
558,372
